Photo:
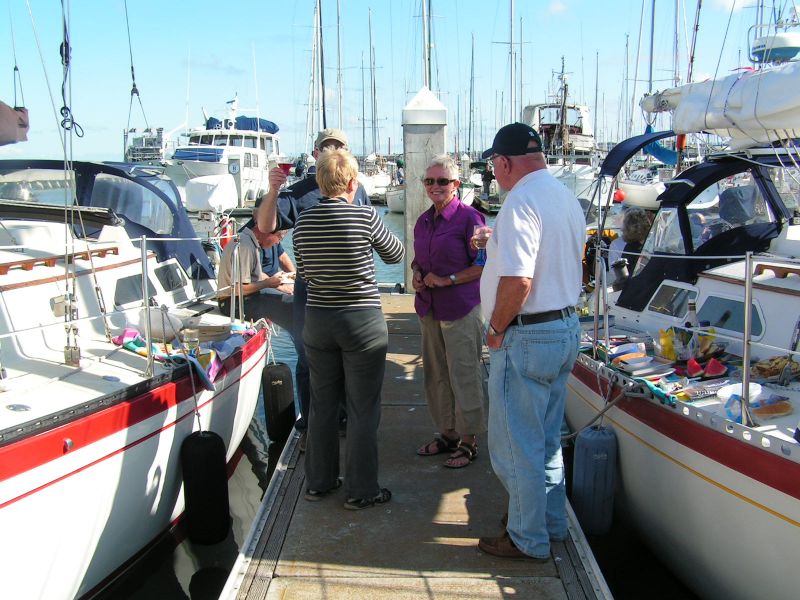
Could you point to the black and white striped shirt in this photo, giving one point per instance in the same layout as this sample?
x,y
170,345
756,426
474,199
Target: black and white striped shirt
x,y
333,244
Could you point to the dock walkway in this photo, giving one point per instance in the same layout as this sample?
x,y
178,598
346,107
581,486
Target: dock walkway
x,y
422,544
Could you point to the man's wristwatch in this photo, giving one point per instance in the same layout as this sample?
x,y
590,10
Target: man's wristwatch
x,y
493,332
453,279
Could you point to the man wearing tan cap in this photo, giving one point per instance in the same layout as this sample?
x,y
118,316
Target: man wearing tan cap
x,y
279,209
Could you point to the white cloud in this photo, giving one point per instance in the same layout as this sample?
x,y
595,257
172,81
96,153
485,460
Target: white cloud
x,y
727,4
557,6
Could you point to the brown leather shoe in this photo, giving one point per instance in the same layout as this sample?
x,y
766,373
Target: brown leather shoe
x,y
504,547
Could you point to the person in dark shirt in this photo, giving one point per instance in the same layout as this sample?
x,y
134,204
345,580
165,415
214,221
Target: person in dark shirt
x,y
280,209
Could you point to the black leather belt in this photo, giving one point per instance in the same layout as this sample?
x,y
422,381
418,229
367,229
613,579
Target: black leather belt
x,y
542,317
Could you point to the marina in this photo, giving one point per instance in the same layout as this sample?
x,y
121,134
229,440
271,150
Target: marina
x,y
147,441
423,542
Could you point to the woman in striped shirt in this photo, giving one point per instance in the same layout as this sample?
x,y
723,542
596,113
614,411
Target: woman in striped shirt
x,y
345,333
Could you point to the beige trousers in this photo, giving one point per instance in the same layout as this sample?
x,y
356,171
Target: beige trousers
x,y
451,353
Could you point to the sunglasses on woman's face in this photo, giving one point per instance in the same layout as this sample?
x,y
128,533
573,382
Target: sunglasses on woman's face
x,y
438,181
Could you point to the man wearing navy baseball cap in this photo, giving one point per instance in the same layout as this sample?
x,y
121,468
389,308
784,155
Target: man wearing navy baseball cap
x,y
529,287
514,140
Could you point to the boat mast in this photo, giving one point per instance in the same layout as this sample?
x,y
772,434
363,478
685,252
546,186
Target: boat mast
x,y
312,86
563,120
520,66
596,78
373,103
511,62
426,49
339,84
676,46
471,113
322,67
695,29
652,40
363,110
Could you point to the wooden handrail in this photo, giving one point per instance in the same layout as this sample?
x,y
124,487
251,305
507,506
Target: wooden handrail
x,y
27,264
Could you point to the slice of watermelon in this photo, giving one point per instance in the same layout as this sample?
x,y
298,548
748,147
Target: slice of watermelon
x,y
715,368
693,368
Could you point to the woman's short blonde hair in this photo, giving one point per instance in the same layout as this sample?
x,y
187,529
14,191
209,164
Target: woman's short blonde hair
x,y
335,170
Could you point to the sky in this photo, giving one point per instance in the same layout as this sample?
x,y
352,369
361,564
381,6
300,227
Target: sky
x,y
195,55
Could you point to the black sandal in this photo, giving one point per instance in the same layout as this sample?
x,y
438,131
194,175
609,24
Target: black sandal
x,y
316,495
464,450
360,503
441,444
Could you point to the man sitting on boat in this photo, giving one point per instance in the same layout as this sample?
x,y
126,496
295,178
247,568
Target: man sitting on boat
x,y
263,292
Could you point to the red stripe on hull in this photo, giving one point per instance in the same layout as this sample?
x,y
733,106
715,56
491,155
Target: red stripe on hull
x,y
760,465
39,449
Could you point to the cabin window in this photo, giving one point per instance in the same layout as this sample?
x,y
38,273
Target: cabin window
x,y
664,238
671,301
236,140
787,182
728,314
255,161
129,290
250,141
220,140
132,201
268,148
206,140
171,277
247,159
53,188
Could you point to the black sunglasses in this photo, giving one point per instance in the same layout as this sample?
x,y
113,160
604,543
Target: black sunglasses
x,y
438,181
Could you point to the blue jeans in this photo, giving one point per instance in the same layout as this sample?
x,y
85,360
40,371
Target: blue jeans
x,y
527,386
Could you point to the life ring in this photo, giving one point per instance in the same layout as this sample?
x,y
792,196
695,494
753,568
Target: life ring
x,y
226,229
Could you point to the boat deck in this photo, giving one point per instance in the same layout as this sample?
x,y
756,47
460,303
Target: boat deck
x,y
423,542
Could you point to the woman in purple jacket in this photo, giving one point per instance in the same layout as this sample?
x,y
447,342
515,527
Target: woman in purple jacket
x,y
447,274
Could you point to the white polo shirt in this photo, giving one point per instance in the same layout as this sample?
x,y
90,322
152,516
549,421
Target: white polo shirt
x,y
539,233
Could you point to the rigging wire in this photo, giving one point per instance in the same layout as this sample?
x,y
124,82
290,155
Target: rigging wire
x,y
68,122
17,75
134,89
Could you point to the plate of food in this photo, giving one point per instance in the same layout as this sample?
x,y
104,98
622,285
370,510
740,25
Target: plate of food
x,y
770,369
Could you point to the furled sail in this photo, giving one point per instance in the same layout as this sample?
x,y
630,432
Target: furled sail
x,y
748,107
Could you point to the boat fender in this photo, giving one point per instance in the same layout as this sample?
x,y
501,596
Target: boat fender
x,y
593,478
205,487
279,411
227,229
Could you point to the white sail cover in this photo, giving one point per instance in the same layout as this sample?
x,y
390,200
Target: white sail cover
x,y
216,193
749,107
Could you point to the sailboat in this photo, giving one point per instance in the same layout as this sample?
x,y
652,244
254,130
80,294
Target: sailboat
x,y
568,139
98,393
704,402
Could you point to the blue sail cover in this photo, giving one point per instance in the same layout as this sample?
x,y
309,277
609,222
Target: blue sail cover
x,y
245,124
659,152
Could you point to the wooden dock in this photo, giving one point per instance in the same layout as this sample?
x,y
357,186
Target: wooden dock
x,y
422,544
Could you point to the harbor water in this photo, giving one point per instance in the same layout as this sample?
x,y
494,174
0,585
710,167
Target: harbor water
x,y
176,569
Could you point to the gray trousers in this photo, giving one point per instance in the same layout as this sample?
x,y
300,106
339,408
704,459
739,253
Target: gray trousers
x,y
346,350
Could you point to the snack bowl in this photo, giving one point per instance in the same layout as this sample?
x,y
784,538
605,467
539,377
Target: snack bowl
x,y
724,393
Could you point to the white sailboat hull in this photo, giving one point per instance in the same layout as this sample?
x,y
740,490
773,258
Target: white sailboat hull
x,y
396,200
78,519
725,533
